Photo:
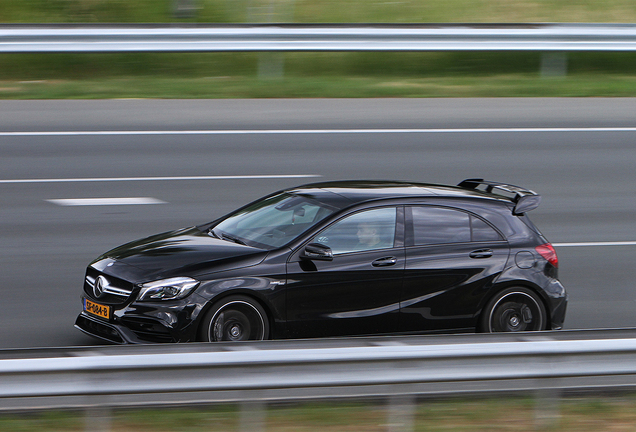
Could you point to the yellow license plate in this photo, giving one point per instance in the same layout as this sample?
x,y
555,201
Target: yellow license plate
x,y
96,309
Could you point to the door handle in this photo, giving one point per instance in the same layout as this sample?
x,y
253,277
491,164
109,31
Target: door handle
x,y
481,253
384,262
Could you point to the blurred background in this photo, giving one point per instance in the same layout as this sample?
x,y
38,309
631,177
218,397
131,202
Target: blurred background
x,y
337,74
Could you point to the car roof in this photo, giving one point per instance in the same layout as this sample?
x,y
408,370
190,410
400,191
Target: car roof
x,y
346,193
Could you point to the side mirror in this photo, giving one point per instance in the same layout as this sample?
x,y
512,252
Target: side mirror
x,y
318,252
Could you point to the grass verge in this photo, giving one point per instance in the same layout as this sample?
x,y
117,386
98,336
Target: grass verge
x,y
322,11
310,75
505,414
298,87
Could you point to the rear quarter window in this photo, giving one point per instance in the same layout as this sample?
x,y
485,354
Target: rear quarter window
x,y
481,231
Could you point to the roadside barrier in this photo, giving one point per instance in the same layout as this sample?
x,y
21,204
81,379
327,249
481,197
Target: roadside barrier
x,y
552,40
16,38
397,368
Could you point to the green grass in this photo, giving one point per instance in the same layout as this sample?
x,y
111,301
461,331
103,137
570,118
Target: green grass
x,y
349,87
309,75
321,11
589,414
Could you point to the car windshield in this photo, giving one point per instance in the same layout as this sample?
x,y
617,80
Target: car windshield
x,y
272,222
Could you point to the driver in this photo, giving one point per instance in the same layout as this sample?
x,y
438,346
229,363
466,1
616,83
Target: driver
x,y
369,236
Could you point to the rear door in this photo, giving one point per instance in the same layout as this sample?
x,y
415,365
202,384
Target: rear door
x,y
452,257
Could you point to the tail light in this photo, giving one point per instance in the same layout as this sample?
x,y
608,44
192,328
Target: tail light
x,y
547,251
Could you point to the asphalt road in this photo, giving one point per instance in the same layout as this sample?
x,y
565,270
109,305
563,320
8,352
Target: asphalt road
x,y
584,169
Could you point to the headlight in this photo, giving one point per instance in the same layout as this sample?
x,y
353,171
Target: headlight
x,y
168,289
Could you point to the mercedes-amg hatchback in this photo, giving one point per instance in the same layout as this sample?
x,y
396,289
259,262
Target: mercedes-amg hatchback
x,y
335,259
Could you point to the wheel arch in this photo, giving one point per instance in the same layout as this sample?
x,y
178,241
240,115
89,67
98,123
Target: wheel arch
x,y
269,315
497,289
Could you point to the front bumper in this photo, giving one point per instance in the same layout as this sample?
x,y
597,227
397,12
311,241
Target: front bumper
x,y
145,323
143,331
106,331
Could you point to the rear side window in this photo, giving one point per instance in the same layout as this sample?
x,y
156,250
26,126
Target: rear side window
x,y
438,225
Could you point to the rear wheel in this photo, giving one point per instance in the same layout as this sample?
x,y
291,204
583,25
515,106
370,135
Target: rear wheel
x,y
235,318
513,310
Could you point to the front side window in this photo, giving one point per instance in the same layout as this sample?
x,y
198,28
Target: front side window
x,y
363,231
273,221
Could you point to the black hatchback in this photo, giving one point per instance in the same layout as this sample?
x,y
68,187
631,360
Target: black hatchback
x,y
335,259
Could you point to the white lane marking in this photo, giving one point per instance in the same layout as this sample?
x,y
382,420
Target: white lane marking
x,y
120,179
616,243
106,201
316,131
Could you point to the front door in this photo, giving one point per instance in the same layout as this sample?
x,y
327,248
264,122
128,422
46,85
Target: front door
x,y
358,292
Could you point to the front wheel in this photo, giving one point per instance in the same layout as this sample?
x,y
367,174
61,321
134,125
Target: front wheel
x,y
235,318
514,310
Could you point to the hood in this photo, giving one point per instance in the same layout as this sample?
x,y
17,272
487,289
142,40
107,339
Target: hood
x,y
187,251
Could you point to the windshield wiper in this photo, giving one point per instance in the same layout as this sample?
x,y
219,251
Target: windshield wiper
x,y
229,237
213,234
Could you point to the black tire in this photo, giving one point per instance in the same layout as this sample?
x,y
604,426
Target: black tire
x,y
513,310
235,318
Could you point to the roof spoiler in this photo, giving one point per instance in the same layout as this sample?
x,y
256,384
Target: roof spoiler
x,y
524,199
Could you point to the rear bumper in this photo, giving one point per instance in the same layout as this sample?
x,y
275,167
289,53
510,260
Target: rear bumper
x,y
558,314
558,302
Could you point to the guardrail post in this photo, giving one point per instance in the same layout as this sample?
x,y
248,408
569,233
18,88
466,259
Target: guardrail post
x,y
401,413
184,8
271,65
546,409
554,64
252,416
97,418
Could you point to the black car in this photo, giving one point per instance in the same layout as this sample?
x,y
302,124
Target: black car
x,y
335,259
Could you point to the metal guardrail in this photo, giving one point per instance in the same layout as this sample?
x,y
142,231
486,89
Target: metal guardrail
x,y
296,37
296,370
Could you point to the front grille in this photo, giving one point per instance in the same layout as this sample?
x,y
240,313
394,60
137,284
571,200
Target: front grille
x,y
114,291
